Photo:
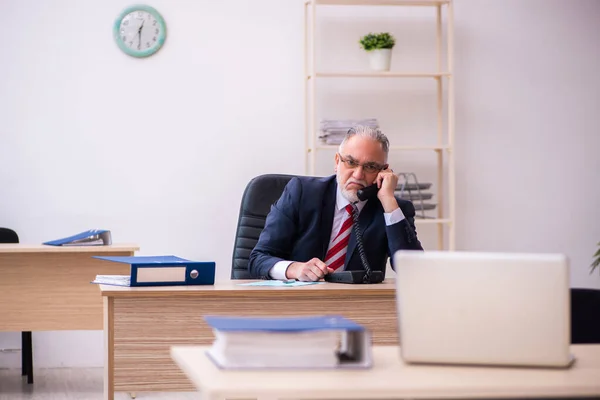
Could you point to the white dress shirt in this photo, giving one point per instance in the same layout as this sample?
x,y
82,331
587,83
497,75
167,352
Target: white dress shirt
x,y
280,268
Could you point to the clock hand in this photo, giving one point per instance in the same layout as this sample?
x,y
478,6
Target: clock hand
x,y
140,34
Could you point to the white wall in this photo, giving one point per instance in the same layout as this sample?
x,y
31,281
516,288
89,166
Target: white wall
x,y
528,128
160,150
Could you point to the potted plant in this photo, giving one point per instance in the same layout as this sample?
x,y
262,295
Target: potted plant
x,y
596,263
379,48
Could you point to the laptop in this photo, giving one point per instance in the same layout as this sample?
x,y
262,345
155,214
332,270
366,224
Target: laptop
x,y
483,308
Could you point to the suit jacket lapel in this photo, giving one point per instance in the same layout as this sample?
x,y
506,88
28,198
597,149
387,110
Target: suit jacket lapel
x,y
327,216
365,219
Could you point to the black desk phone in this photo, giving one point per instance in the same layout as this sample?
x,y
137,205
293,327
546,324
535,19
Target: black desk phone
x,y
366,275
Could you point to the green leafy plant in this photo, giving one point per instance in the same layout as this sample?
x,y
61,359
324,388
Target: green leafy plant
x,y
596,263
374,41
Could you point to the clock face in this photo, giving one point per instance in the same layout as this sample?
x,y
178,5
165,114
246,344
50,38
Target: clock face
x,y
140,31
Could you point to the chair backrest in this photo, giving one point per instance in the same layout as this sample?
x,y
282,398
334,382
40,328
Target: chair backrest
x,y
8,236
261,192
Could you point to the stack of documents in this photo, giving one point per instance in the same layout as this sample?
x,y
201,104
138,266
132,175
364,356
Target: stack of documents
x,y
304,342
333,131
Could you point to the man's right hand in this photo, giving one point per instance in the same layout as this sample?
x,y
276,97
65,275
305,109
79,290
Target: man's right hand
x,y
310,271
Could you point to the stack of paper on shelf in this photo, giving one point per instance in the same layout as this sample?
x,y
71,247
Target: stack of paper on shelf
x,y
303,342
333,131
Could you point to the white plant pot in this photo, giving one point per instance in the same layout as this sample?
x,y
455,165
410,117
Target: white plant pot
x,y
380,59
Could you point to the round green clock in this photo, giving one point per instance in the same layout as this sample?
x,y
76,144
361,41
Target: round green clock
x,y
140,31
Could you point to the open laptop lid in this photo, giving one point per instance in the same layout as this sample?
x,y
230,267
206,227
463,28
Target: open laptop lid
x,y
483,308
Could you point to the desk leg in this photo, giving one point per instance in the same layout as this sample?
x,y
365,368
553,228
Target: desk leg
x,y
24,368
27,356
109,348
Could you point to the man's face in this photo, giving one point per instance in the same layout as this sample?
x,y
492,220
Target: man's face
x,y
358,164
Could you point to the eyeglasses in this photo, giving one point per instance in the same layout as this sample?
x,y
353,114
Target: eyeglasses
x,y
369,167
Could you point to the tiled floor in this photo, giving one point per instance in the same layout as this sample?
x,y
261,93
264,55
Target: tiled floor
x,y
69,384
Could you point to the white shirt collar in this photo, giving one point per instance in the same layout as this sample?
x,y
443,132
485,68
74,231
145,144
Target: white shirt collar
x,y
341,202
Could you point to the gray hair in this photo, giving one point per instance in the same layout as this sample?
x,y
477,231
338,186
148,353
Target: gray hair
x,y
369,132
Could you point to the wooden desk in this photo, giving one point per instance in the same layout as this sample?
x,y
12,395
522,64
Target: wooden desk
x,y
141,324
390,378
44,288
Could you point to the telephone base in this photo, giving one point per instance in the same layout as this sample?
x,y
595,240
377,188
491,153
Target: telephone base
x,y
354,277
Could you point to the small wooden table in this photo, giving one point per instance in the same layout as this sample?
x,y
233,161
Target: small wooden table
x,y
141,324
391,378
47,288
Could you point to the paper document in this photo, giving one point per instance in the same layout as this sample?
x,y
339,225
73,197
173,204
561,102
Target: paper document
x,y
116,280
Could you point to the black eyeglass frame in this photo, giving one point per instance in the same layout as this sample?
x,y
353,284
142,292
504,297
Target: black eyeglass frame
x,y
369,167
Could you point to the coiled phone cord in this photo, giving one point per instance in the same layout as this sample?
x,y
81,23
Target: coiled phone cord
x,y
360,245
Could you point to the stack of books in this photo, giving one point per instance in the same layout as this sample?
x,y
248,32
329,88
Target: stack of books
x,y
303,342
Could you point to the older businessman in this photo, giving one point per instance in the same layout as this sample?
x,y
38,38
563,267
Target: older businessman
x,y
308,232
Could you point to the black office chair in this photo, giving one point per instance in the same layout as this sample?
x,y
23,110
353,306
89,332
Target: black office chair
x,y
261,192
585,316
10,236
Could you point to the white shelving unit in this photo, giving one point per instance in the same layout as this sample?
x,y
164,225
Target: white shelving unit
x,y
445,136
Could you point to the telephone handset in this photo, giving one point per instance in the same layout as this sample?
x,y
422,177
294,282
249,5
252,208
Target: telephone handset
x,y
367,192
367,275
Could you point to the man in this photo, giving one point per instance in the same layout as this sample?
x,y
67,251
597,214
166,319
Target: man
x,y
308,232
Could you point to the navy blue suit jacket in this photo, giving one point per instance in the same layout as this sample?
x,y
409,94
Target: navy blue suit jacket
x,y
298,228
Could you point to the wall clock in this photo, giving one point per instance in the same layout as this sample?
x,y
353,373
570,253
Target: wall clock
x,y
140,31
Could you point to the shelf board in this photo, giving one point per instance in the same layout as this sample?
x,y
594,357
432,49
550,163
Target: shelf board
x,y
380,2
435,148
380,74
420,221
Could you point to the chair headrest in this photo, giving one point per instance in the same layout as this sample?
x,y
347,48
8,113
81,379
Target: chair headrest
x,y
262,192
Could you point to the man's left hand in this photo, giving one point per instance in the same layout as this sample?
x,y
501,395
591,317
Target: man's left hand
x,y
386,182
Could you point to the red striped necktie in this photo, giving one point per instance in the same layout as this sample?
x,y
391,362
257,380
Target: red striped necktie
x,y
336,255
